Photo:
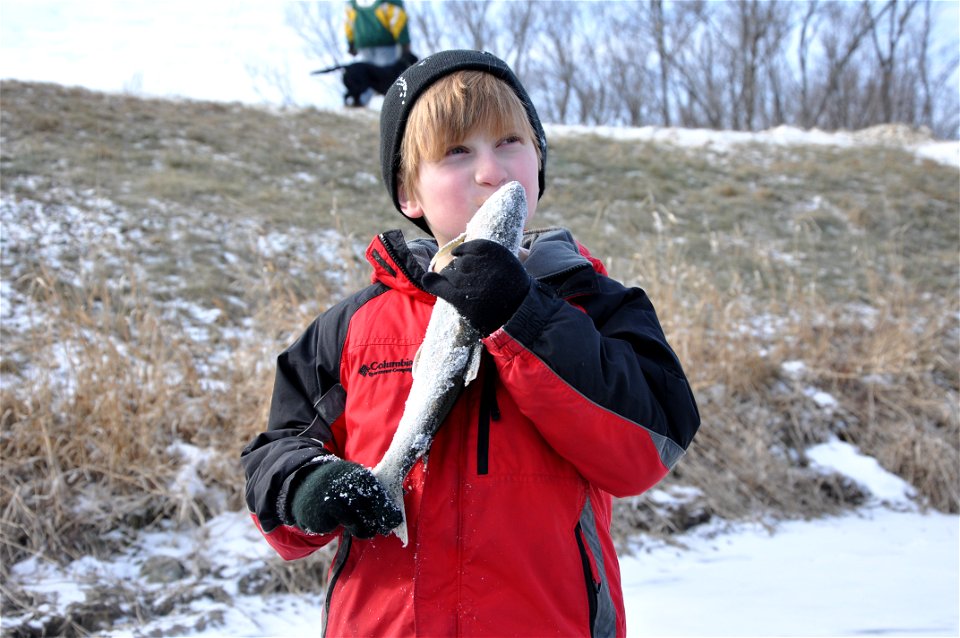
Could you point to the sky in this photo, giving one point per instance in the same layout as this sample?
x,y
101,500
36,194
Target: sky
x,y
199,50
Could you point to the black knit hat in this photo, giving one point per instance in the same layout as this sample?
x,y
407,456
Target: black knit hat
x,y
411,85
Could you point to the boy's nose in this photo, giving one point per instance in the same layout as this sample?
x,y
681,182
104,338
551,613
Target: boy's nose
x,y
489,169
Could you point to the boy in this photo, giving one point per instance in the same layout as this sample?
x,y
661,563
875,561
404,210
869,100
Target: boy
x,y
579,397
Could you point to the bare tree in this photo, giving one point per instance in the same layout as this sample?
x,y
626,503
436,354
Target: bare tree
x,y
635,96
427,33
682,23
841,45
473,18
592,89
941,96
601,81
886,52
554,72
750,34
700,75
320,27
924,55
807,35
521,28
271,82
692,62
659,27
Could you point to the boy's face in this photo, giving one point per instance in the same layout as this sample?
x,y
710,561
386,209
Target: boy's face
x,y
449,190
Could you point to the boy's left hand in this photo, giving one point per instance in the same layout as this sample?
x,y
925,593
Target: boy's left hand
x,y
486,283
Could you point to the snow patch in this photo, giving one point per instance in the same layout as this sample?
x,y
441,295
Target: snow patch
x,y
838,456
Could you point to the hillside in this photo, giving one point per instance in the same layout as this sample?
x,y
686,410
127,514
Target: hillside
x,y
157,255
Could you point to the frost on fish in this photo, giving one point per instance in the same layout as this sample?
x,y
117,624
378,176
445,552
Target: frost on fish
x,y
449,356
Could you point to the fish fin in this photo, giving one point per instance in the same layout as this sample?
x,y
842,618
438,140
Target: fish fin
x,y
416,361
394,489
401,532
473,366
401,529
447,248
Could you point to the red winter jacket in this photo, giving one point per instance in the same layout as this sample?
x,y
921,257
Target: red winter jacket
x,y
579,398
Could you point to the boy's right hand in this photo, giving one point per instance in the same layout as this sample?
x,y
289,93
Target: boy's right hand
x,y
486,283
344,493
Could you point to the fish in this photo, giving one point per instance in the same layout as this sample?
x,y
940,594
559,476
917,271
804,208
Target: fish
x,y
449,357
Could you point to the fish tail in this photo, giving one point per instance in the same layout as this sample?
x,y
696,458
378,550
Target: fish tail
x,y
396,495
394,491
401,531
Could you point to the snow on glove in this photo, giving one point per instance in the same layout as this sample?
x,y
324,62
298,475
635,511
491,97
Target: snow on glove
x,y
486,283
344,493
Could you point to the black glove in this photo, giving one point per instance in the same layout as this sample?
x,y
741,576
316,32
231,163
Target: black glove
x,y
344,493
486,283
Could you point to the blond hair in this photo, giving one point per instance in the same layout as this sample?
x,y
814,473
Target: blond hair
x,y
453,108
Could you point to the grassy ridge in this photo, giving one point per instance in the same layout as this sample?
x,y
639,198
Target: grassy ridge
x,y
158,254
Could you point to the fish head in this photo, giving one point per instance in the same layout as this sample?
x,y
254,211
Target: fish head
x,y
501,217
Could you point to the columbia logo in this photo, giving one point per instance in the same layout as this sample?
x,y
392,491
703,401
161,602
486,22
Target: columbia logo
x,y
383,367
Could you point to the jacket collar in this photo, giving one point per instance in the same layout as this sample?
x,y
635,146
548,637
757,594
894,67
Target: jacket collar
x,y
400,264
553,252
554,256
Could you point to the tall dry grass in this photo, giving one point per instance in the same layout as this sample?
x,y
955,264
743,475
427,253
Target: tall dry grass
x,y
89,440
890,366
122,420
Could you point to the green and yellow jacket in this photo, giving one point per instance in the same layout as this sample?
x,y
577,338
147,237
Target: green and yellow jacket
x,y
375,23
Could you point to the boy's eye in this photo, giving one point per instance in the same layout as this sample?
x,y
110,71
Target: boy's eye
x,y
456,150
511,139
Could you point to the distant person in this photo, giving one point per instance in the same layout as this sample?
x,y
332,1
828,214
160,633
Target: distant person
x,y
578,398
377,33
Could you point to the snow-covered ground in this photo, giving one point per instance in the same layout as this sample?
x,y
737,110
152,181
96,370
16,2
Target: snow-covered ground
x,y
876,572
886,569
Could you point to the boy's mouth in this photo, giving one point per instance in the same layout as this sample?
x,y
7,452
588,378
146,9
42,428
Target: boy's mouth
x,y
483,200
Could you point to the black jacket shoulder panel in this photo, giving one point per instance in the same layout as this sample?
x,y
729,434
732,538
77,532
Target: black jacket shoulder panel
x,y
306,394
309,367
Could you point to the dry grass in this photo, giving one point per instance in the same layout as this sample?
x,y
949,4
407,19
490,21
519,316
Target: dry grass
x,y
891,367
837,258
88,439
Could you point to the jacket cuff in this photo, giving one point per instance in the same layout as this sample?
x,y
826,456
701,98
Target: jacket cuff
x,y
285,497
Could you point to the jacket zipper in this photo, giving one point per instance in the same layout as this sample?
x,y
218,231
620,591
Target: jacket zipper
x,y
339,561
396,261
488,410
593,587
